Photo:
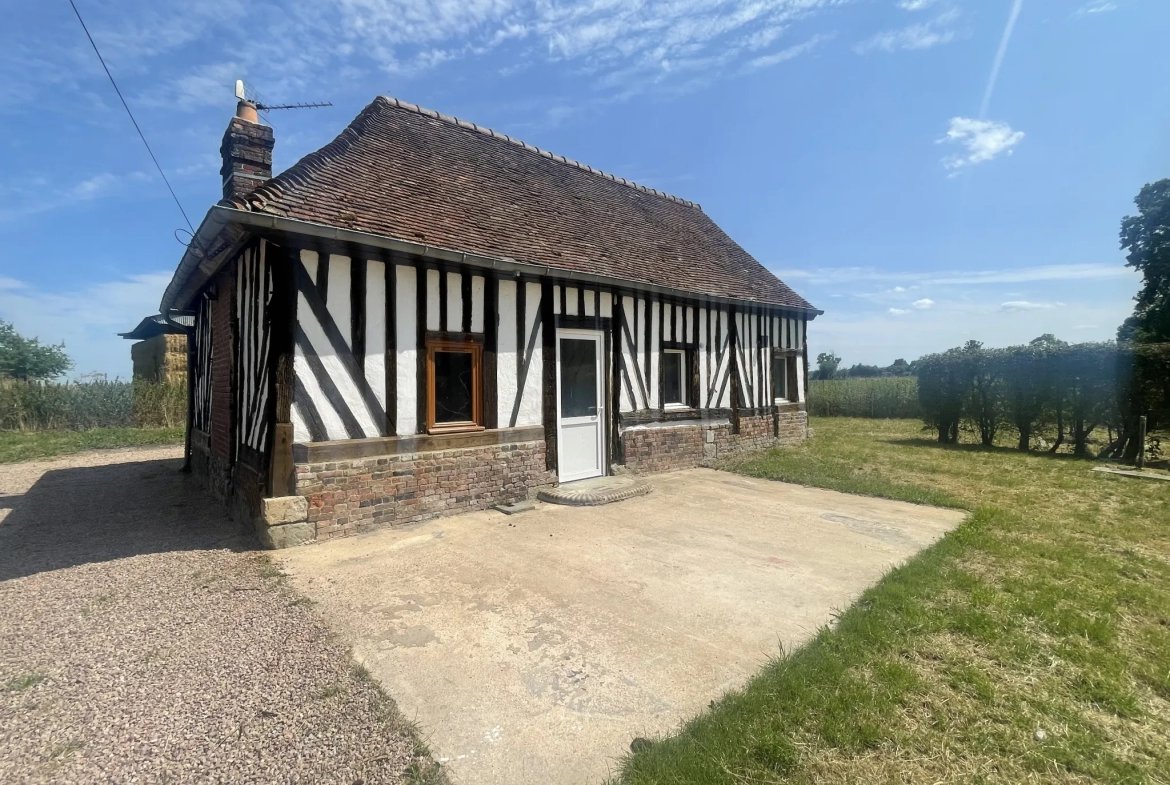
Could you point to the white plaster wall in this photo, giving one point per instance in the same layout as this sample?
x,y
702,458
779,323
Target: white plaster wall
x,y
334,427
454,303
346,386
531,411
606,305
799,378
406,325
477,317
704,362
300,430
309,261
655,313
375,360
506,354
724,399
337,296
571,301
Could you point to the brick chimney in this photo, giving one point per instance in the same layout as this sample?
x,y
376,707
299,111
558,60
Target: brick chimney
x,y
247,153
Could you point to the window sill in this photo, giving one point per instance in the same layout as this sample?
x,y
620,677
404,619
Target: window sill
x,y
455,427
673,407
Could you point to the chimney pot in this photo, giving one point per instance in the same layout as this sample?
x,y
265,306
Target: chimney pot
x,y
246,110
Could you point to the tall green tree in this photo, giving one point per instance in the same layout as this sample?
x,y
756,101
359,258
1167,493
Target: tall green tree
x,y
27,359
827,364
1146,236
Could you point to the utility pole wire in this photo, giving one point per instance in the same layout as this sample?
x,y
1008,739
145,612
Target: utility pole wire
x,y
131,114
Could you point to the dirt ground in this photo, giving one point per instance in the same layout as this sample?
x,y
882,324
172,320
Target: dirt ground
x,y
534,648
143,640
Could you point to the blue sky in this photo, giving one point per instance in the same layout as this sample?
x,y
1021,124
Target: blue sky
x,y
925,171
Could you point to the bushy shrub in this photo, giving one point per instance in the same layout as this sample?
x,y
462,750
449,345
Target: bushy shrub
x,y
44,406
1067,391
878,398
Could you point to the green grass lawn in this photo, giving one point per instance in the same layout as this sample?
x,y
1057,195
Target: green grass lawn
x,y
23,446
1032,644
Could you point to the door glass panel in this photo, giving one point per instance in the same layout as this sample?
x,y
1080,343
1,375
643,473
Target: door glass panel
x,y
453,379
578,377
672,372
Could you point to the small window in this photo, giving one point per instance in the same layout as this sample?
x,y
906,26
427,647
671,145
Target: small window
x,y
454,386
674,378
780,363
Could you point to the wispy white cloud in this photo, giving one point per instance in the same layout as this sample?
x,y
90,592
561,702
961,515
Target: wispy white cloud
x,y
916,5
877,336
923,35
898,311
982,141
1026,305
39,195
1049,272
1095,7
764,61
923,304
1000,53
87,318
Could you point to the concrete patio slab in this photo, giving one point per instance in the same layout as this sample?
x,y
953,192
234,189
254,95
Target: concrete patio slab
x,y
534,648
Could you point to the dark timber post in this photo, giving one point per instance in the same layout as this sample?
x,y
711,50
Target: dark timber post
x,y
190,391
733,348
491,322
282,472
549,382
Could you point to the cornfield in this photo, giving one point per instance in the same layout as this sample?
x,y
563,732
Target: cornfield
x,y
875,398
79,406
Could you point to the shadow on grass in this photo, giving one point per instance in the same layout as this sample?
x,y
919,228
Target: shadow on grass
x,y
998,449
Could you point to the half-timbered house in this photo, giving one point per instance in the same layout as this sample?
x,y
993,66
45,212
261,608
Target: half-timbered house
x,y
426,316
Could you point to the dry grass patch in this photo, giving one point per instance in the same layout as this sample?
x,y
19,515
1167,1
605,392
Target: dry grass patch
x,y
1032,644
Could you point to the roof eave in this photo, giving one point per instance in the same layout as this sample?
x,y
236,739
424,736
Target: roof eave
x,y
198,266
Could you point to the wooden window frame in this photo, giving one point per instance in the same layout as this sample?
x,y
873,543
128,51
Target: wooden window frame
x,y
467,345
791,387
684,387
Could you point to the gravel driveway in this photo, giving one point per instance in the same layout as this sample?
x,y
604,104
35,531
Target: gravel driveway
x,y
143,640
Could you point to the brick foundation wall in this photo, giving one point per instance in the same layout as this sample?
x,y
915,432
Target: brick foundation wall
x,y
662,448
347,497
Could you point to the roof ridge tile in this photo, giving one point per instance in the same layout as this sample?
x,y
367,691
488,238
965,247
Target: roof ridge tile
x,y
469,126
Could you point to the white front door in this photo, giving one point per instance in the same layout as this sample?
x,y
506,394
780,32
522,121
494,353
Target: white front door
x,y
580,404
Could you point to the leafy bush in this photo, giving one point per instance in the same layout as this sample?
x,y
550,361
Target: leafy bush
x,y
1068,391
77,406
888,397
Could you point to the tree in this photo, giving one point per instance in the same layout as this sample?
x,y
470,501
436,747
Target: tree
x,y
1147,238
983,404
944,382
26,359
900,368
827,364
1027,382
860,371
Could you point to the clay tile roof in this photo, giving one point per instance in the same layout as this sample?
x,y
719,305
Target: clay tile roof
x,y
413,174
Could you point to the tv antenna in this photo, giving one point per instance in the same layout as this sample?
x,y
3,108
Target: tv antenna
x,y
245,92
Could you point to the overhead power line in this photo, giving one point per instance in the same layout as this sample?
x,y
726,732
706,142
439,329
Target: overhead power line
x,y
141,136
